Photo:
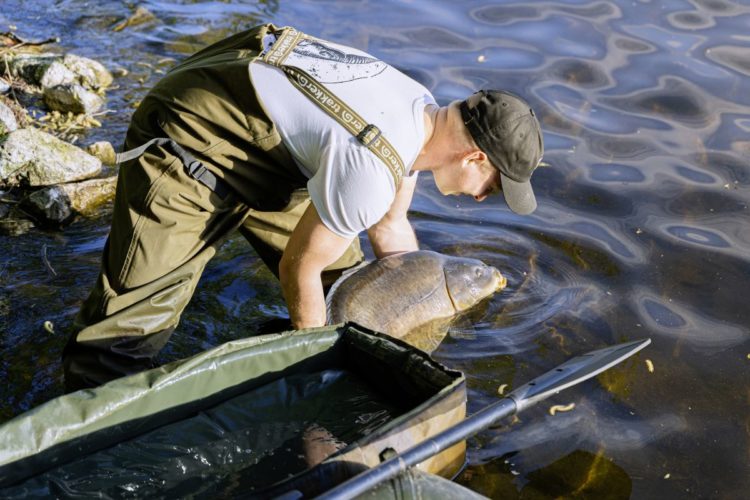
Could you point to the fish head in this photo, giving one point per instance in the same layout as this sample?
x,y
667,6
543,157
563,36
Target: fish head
x,y
470,280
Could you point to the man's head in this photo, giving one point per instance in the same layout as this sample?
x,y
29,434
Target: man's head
x,y
505,128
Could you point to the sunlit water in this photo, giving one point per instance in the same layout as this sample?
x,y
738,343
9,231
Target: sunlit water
x,y
642,228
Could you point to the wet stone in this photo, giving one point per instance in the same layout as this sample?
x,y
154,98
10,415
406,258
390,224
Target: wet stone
x,y
15,227
34,158
104,151
8,121
119,72
50,204
91,74
51,69
57,74
29,67
55,205
87,196
74,98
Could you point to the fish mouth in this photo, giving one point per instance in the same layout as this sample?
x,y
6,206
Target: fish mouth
x,y
502,281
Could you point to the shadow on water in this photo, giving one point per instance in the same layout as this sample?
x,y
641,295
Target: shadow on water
x,y
641,229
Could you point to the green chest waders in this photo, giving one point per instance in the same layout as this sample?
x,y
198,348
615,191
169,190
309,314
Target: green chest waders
x,y
202,159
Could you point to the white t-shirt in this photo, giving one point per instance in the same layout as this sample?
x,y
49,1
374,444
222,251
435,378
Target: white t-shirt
x,y
351,188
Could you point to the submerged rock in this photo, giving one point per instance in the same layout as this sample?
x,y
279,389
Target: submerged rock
x,y
8,121
57,204
15,227
72,97
140,16
34,158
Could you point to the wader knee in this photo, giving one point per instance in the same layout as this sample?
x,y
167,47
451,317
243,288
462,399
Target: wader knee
x,y
92,363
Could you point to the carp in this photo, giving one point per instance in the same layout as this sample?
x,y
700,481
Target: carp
x,y
412,295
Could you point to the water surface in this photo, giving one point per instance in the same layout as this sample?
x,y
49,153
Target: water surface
x,y
641,231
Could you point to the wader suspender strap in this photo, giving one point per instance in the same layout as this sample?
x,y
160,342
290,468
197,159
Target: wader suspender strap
x,y
194,168
367,134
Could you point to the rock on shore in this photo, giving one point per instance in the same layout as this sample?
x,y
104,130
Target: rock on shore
x,y
8,122
67,82
50,70
41,175
56,204
30,157
72,97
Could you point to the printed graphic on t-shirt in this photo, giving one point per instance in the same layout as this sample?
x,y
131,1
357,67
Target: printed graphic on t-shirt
x,y
329,64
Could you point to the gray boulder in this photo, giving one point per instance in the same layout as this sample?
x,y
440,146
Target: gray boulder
x,y
29,67
34,158
4,86
53,69
49,204
8,121
72,97
56,204
57,74
91,74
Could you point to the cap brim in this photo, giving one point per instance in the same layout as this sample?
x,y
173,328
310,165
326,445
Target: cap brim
x,y
518,195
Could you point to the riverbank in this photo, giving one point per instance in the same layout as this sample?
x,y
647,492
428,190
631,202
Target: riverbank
x,y
48,98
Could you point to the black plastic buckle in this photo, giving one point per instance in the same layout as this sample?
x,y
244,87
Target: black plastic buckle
x,y
362,136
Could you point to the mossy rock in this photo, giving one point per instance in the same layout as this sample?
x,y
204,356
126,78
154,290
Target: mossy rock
x,y
31,157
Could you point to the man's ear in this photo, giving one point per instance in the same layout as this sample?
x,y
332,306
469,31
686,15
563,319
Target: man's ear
x,y
474,156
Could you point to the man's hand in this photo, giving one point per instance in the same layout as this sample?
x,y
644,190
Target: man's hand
x,y
311,248
393,233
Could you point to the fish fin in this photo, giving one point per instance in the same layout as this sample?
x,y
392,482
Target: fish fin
x,y
336,284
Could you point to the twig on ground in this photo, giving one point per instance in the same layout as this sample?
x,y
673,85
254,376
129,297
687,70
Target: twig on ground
x,y
46,261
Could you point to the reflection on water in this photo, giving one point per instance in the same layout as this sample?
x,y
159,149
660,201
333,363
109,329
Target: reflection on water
x,y
641,228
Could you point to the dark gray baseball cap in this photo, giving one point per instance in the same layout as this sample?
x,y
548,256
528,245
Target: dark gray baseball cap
x,y
504,126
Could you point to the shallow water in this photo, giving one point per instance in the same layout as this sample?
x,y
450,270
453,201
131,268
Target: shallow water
x,y
641,229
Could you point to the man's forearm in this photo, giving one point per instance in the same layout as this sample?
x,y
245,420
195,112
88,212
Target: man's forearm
x,y
394,237
303,292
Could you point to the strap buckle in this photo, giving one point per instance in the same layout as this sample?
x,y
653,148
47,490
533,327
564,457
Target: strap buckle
x,y
196,169
365,132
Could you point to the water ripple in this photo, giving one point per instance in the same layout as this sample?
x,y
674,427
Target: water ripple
x,y
641,227
682,323
698,236
587,427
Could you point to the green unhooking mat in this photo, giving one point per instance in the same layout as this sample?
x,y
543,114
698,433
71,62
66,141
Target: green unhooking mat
x,y
234,420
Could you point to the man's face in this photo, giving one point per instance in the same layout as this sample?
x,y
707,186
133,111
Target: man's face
x,y
477,179
486,182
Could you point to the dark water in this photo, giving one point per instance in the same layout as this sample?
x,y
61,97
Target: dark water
x,y
246,443
642,228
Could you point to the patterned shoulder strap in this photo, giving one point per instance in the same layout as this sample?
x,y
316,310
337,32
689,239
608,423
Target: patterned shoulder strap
x,y
366,133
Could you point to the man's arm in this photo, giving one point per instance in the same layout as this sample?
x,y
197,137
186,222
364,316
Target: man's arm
x,y
311,248
393,233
